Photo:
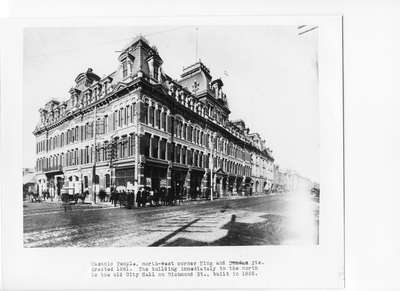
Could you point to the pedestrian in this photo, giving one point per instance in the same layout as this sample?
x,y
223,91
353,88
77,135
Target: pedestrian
x,y
139,197
157,197
124,197
145,196
163,196
114,196
151,197
131,199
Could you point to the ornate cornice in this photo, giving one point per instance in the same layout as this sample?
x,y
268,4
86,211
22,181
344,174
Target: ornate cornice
x,y
98,103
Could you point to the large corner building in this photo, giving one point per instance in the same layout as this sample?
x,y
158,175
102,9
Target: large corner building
x,y
139,126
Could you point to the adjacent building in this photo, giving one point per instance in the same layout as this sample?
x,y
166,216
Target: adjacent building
x,y
28,181
140,127
290,181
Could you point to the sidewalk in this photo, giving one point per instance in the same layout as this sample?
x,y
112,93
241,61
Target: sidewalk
x,y
48,204
203,200
51,204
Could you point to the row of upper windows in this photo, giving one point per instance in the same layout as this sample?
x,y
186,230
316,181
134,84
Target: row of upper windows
x,y
86,155
70,158
159,148
155,147
151,116
107,123
228,148
78,133
156,118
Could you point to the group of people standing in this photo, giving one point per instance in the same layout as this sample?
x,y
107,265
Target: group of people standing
x,y
145,196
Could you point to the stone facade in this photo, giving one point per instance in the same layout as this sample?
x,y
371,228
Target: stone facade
x,y
138,126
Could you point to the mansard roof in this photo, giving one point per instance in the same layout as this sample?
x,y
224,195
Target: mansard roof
x,y
195,80
138,39
239,123
86,79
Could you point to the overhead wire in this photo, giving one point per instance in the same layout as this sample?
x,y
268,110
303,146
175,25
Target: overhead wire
x,y
104,43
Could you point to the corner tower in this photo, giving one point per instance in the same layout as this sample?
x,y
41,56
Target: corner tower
x,y
140,59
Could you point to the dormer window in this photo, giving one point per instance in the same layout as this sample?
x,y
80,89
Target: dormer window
x,y
100,91
125,69
155,73
94,94
131,65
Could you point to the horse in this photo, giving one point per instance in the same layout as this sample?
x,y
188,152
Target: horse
x,y
45,194
35,197
80,196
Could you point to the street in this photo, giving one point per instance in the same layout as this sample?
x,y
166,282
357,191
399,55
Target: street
x,y
261,220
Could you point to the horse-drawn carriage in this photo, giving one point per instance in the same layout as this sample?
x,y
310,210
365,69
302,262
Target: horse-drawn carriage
x,y
34,197
69,194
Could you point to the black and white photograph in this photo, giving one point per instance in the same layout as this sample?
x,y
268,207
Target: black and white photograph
x,y
171,136
165,152
199,145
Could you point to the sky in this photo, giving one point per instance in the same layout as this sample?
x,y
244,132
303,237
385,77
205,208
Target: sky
x,y
270,76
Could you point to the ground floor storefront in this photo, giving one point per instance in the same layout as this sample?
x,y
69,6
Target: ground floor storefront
x,y
186,183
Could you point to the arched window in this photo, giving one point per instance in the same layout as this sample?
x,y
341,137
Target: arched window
x,y
184,129
120,117
128,114
76,133
151,115
144,113
164,120
190,133
175,120
157,118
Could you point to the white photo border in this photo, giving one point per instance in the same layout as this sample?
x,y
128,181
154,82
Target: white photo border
x,y
320,266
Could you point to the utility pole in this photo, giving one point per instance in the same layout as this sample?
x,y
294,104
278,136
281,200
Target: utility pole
x,y
95,155
136,120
